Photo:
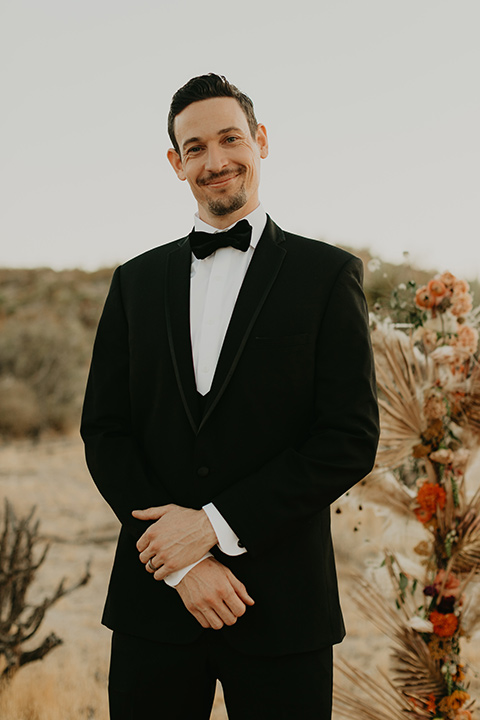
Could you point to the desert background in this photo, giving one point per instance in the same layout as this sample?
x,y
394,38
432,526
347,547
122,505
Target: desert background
x,y
47,325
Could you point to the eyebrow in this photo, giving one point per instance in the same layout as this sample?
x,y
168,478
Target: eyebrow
x,y
220,132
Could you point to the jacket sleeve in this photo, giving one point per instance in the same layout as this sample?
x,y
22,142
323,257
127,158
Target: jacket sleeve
x,y
113,455
339,448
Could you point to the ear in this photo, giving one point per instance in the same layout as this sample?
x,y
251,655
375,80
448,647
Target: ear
x,y
262,140
176,162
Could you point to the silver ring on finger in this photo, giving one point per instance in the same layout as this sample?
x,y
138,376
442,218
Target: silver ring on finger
x,y
152,566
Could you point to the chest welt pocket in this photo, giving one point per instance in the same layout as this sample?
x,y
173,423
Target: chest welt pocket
x,y
282,340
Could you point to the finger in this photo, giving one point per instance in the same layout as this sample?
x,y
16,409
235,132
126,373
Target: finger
x,y
152,513
214,621
147,554
235,606
241,590
201,619
226,615
161,573
143,543
151,566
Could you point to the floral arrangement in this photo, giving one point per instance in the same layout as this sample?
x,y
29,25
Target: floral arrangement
x,y
429,394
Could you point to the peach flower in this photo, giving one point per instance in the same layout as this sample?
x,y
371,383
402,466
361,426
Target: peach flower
x,y
463,715
452,584
460,287
448,279
461,304
467,339
434,407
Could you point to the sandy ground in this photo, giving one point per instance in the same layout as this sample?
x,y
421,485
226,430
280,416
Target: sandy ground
x,y
52,476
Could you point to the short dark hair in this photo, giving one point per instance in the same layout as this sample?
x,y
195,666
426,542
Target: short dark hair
x,y
205,87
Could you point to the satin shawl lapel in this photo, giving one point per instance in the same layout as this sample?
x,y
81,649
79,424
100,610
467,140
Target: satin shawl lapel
x,y
177,304
263,269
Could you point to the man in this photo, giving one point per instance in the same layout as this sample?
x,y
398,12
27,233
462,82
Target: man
x,y
230,401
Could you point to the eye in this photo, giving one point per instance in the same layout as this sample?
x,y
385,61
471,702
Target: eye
x,y
231,139
194,149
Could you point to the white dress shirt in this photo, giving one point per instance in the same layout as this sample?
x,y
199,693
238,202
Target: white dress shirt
x,y
215,283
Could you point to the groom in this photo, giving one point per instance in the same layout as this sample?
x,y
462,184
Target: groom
x,y
230,401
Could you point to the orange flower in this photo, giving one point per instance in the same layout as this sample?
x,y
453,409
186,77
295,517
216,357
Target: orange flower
x,y
432,705
423,298
429,497
437,289
443,625
454,701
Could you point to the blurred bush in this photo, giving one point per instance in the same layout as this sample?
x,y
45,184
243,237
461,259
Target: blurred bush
x,y
47,326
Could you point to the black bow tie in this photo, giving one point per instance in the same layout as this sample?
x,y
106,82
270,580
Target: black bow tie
x,y
204,244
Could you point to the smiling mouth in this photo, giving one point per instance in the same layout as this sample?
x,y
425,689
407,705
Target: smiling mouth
x,y
219,181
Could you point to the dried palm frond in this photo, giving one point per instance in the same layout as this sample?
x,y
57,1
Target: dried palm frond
x,y
416,673
466,553
400,378
471,406
381,699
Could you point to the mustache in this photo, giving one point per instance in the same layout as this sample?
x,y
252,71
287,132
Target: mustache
x,y
222,175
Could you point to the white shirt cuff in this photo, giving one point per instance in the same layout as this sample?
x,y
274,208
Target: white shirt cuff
x,y
175,577
228,542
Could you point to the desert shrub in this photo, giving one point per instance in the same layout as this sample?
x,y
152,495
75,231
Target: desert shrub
x,y
42,373
20,412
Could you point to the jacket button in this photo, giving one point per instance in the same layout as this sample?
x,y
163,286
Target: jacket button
x,y
203,471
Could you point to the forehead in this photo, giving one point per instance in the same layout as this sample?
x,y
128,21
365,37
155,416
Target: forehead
x,y
206,117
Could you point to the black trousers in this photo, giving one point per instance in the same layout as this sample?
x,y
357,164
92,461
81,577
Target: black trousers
x,y
177,682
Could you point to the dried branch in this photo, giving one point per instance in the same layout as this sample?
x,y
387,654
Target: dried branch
x,y
19,620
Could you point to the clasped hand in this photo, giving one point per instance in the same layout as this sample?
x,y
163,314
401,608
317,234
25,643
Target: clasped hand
x,y
178,537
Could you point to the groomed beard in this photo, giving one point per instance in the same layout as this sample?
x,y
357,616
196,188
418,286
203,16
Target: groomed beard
x,y
229,205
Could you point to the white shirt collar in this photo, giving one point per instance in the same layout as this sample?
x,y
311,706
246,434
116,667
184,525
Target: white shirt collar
x,y
257,219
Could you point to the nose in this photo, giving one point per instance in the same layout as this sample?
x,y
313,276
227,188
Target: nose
x,y
215,159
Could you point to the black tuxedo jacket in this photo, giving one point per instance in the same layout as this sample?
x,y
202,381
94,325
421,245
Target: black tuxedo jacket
x,y
290,424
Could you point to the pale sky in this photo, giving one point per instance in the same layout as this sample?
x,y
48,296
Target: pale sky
x,y
372,108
